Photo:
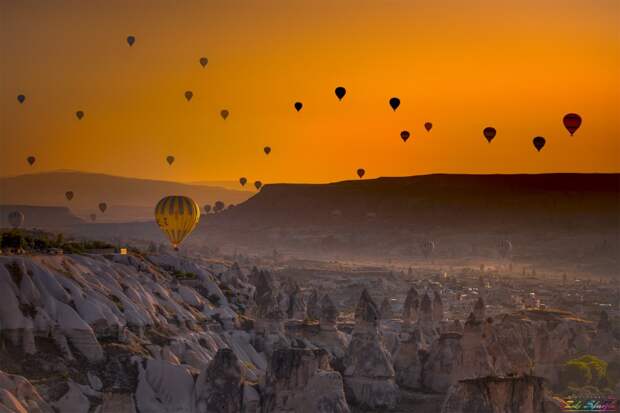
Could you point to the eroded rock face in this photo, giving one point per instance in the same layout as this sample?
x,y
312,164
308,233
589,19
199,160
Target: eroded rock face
x,y
297,305
408,361
314,305
437,307
496,395
443,363
329,337
218,389
369,376
410,307
386,309
19,396
301,380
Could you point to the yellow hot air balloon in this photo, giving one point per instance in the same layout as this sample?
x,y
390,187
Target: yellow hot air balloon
x,y
177,216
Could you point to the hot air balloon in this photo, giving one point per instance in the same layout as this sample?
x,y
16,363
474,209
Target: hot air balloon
x,y
361,172
170,159
69,195
298,106
489,133
504,247
16,219
404,135
224,113
21,98
207,208
340,92
204,61
267,150
79,114
243,180
539,142
427,247
258,184
394,103
219,206
189,95
103,206
93,217
131,40
572,122
428,126
177,216
31,160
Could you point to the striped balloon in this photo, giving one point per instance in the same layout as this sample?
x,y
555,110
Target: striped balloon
x,y
177,216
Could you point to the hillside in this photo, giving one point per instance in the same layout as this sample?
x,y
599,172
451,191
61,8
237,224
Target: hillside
x,y
128,199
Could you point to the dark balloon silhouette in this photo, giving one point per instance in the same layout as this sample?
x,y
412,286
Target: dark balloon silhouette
x,y
189,95
103,206
258,184
170,159
340,92
69,195
504,247
489,133
207,208
404,135
21,98
224,113
204,61
394,103
267,150
31,160
298,106
427,247
539,142
16,219
219,206
243,180
428,126
361,172
79,114
572,122
93,217
131,40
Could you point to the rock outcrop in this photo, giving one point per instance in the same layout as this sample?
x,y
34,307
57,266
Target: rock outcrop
x,y
219,387
386,309
369,376
18,395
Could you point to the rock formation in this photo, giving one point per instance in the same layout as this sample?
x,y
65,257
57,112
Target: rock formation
x,y
314,305
386,309
479,310
297,305
218,389
444,361
369,376
437,308
410,307
301,381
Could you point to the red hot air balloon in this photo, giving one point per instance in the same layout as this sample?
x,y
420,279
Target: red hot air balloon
x,y
340,92
361,172
298,106
224,113
79,114
489,133
31,160
539,142
572,122
428,126
103,206
394,103
204,61
404,135
267,150
69,195
170,159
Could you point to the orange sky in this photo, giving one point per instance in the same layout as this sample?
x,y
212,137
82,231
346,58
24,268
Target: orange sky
x,y
517,66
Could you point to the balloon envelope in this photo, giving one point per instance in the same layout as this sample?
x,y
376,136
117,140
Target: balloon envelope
x,y
31,160
394,103
79,114
243,180
21,98
189,95
170,159
298,106
207,208
224,114
427,247
428,126
204,61
572,122
267,150
93,217
504,247
489,133
131,40
258,184
16,219
361,172
103,206
539,142
177,216
340,92
404,135
69,195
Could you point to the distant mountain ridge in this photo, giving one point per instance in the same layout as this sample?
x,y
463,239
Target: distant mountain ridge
x,y
40,216
127,198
